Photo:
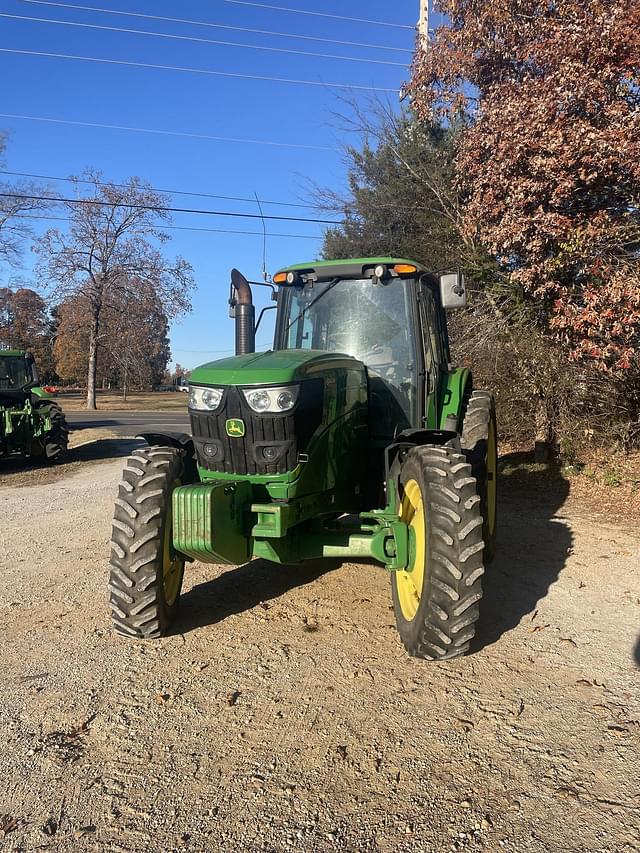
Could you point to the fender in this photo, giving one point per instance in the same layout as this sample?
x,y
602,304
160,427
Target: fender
x,y
395,453
179,440
457,385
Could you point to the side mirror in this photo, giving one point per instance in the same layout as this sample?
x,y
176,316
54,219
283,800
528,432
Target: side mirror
x,y
453,293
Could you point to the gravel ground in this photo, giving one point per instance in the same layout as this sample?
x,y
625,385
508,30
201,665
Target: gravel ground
x,y
283,714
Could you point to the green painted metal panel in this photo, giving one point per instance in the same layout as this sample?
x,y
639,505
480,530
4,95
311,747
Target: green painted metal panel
x,y
41,393
22,429
386,543
217,523
454,383
210,522
356,261
336,454
268,368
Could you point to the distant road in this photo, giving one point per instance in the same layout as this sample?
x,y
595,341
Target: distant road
x,y
129,423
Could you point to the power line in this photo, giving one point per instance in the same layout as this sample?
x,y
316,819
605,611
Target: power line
x,y
155,189
167,209
218,26
198,194
177,37
206,71
169,132
184,228
319,14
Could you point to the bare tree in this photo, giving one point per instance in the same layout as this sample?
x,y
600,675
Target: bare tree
x,y
111,255
137,344
19,203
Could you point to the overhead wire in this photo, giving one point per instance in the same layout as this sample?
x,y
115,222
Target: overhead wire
x,y
168,209
185,228
191,22
155,189
319,14
199,40
206,71
276,143
75,180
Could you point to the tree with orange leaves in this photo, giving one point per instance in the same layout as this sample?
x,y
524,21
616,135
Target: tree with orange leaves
x,y
548,165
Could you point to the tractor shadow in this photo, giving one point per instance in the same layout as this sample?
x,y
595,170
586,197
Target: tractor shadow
x,y
21,472
532,549
103,448
243,588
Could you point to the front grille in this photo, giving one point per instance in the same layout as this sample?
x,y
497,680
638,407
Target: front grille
x,y
289,433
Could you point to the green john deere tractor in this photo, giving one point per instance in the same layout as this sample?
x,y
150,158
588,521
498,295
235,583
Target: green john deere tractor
x,y
353,438
32,425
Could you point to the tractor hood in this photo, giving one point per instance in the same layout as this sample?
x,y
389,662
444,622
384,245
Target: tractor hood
x,y
268,368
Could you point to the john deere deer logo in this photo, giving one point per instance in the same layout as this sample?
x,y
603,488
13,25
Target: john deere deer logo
x,y
235,427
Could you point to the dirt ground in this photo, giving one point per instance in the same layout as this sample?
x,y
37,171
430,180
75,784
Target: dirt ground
x,y
283,714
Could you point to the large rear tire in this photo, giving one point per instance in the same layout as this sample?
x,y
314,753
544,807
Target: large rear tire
x,y
436,601
479,444
52,447
146,572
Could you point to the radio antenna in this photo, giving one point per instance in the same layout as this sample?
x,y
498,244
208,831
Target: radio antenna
x,y
265,274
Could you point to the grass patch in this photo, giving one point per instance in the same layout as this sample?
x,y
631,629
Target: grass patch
x,y
158,401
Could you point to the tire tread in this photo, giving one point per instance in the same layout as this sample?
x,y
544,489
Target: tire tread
x,y
138,607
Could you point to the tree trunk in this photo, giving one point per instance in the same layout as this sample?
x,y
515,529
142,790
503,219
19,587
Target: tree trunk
x,y
124,385
93,359
543,430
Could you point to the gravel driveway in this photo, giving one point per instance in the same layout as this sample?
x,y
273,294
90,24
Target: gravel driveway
x,y
284,714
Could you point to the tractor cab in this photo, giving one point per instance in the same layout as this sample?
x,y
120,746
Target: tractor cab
x,y
387,314
18,374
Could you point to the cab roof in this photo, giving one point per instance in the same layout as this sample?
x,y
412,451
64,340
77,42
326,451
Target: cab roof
x,y
12,353
348,267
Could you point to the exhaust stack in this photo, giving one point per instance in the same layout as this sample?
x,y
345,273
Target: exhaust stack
x,y
245,313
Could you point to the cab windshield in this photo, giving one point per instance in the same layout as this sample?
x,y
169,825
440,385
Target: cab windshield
x,y
369,321
14,373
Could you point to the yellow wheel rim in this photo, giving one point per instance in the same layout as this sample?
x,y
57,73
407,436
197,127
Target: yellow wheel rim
x,y
492,478
409,584
171,562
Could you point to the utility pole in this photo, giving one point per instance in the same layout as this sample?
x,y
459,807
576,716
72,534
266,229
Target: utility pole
x,y
423,35
423,22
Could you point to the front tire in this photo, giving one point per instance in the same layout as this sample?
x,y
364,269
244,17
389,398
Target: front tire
x,y
146,572
436,603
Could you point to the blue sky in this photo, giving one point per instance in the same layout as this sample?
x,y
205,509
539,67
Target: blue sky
x,y
200,104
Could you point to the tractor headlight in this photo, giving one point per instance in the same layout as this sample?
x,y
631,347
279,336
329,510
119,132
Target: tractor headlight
x,y
204,399
272,400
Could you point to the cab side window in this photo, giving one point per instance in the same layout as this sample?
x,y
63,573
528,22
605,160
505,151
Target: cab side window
x,y
434,352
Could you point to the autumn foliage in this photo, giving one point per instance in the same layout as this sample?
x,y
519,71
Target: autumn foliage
x,y
548,166
25,323
133,344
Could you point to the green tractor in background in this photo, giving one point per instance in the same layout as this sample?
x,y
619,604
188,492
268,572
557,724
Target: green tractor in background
x,y
32,425
353,438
